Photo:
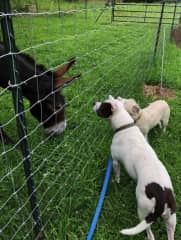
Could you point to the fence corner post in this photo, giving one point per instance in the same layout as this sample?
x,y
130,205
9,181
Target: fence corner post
x,y
10,48
158,30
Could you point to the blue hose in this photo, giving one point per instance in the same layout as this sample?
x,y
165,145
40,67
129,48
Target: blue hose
x,y
101,200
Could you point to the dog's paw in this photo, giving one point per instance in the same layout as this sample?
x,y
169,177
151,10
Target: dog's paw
x,y
164,129
116,180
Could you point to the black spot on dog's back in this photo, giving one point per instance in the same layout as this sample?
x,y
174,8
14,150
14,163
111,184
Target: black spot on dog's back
x,y
105,110
162,196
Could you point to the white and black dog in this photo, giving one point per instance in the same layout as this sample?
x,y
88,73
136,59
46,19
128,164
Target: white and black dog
x,y
154,191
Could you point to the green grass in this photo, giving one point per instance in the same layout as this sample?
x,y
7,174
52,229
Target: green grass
x,y
69,170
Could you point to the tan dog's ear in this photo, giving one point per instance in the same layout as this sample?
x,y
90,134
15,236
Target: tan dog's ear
x,y
120,99
114,106
135,109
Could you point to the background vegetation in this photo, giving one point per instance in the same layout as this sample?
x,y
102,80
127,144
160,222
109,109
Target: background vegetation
x,y
69,170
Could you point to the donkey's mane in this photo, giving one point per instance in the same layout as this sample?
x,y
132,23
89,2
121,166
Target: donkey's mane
x,y
32,61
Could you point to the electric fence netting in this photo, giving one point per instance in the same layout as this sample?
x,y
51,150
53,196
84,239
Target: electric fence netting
x,y
63,173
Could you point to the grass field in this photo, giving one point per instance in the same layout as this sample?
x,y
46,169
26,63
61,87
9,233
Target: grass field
x,y
69,170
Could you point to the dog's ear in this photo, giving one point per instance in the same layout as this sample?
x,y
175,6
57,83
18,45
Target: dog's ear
x,y
135,109
120,99
114,106
110,97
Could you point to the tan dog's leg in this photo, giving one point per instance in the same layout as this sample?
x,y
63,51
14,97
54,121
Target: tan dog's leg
x,y
160,124
165,123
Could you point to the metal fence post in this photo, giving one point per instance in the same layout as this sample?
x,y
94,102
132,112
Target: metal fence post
x,y
85,3
173,19
146,7
158,31
113,5
9,42
58,2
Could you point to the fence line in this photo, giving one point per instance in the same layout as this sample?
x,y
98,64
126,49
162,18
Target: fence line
x,y
10,46
117,52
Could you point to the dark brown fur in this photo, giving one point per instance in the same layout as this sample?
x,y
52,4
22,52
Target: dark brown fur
x,y
105,110
162,196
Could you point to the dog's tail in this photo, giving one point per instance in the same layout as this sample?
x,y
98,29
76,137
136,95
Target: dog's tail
x,y
143,225
162,196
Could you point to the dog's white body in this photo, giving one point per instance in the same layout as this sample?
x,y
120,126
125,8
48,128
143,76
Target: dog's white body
x,y
156,113
130,147
137,156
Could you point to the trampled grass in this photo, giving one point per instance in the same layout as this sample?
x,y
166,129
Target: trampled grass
x,y
69,170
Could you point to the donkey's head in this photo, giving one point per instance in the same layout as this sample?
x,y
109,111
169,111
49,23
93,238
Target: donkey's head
x,y
41,88
47,104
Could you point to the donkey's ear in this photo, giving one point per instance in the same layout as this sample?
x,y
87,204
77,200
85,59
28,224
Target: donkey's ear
x,y
60,82
64,68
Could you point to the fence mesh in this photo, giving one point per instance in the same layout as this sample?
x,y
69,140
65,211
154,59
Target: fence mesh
x,y
68,169
147,12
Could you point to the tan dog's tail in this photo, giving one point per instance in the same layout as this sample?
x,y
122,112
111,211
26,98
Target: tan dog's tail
x,y
137,229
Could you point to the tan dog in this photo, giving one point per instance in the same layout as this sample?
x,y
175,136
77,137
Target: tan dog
x,y
156,113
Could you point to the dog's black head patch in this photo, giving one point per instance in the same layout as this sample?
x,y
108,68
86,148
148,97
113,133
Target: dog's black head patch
x,y
162,196
105,110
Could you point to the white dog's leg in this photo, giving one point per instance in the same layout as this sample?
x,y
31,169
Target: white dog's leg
x,y
141,215
170,224
150,235
146,136
116,169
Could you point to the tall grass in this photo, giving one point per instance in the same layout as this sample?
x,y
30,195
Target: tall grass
x,y
68,170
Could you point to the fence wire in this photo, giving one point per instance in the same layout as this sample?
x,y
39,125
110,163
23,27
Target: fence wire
x,y
147,12
67,169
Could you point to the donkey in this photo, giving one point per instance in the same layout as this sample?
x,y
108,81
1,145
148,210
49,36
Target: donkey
x,y
41,87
